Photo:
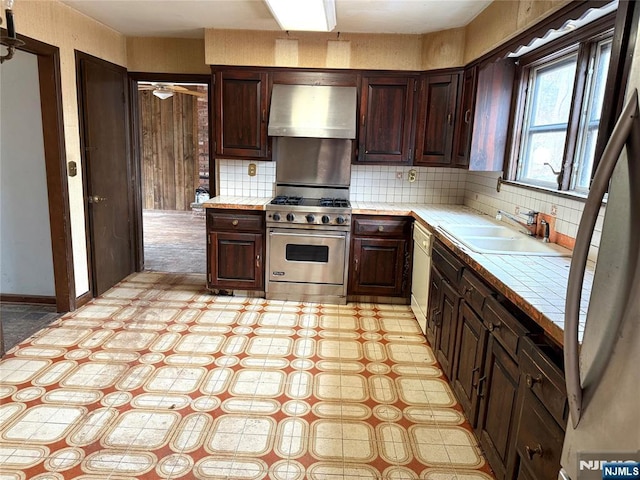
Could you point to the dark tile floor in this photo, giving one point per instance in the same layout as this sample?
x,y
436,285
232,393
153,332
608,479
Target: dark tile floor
x,y
174,242
21,320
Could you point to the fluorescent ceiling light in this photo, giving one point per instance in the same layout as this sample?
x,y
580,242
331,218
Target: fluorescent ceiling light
x,y
163,93
307,15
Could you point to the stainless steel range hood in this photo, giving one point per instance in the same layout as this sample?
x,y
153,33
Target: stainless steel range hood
x,y
315,111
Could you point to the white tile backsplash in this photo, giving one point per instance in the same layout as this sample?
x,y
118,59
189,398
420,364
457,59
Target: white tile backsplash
x,y
234,180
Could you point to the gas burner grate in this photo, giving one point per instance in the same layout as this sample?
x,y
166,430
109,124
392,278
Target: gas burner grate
x,y
334,202
285,200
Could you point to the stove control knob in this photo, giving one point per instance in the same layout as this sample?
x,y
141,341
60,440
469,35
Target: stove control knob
x,y
276,217
310,218
325,219
340,220
290,217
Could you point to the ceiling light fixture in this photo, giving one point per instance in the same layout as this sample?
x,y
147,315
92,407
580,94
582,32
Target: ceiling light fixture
x,y
163,93
308,15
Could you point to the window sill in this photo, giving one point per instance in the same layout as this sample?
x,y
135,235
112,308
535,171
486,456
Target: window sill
x,y
579,197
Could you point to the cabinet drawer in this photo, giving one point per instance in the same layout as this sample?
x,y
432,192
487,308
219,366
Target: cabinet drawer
x,y
235,222
385,227
539,442
504,326
447,263
473,290
544,380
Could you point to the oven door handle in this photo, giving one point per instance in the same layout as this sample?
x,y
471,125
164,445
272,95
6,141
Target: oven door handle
x,y
306,235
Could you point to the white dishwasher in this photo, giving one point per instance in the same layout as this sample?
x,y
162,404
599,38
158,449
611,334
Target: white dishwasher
x,y
421,274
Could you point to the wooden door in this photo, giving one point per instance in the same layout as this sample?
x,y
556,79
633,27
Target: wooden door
x,y
236,260
108,181
386,124
464,121
377,266
497,389
241,106
448,321
468,364
436,117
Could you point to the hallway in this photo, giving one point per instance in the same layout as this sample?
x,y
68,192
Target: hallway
x,y
174,241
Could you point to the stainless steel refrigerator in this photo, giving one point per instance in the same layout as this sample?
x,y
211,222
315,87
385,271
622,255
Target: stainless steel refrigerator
x,y
603,372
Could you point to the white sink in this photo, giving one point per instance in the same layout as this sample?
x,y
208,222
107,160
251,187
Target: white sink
x,y
501,240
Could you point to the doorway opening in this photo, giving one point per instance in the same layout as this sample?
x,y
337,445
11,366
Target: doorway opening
x,y
173,119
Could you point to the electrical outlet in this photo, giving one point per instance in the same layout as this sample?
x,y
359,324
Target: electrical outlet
x,y
252,170
399,175
413,175
554,210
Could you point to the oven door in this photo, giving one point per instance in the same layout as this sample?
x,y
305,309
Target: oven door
x,y
307,256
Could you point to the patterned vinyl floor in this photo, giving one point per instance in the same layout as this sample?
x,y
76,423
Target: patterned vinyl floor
x,y
157,379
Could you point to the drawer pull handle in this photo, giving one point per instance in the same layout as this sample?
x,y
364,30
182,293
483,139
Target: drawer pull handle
x,y
234,223
473,376
532,452
467,116
493,326
466,290
381,228
436,317
531,380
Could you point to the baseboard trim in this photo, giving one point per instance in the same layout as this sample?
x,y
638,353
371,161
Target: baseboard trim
x,y
83,299
34,299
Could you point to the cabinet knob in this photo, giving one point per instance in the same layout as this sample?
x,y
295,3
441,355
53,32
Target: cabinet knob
x,y
381,228
234,223
532,452
531,380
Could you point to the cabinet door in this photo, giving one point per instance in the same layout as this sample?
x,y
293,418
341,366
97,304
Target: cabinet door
x,y
435,288
447,323
467,369
236,260
464,120
241,102
497,389
386,109
378,267
437,109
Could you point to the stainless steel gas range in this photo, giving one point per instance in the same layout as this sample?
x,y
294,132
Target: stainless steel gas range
x,y
309,221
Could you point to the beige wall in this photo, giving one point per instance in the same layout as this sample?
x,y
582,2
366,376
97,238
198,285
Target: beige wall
x,y
166,55
502,20
56,24
328,50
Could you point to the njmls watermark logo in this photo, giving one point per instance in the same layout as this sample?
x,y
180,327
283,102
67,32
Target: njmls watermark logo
x,y
609,466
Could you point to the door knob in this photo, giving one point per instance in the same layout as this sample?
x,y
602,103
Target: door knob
x,y
96,199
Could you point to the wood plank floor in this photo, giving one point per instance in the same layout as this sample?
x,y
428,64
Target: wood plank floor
x,y
174,242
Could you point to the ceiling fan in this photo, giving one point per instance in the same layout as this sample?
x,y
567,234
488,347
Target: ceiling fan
x,y
167,90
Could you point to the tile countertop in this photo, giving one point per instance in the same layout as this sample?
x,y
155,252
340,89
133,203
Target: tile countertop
x,y
536,284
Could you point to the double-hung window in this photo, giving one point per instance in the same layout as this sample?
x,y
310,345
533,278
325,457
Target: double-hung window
x,y
559,115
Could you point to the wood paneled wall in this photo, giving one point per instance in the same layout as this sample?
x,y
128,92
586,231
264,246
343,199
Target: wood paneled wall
x,y
169,141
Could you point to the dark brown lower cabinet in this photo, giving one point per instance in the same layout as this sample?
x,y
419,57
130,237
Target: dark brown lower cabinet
x,y
497,390
468,367
380,263
435,285
237,258
446,324
235,250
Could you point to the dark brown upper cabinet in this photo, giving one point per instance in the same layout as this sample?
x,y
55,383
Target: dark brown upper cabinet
x,y
241,111
436,119
386,119
464,125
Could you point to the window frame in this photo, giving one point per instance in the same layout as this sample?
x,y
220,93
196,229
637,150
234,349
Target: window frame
x,y
583,41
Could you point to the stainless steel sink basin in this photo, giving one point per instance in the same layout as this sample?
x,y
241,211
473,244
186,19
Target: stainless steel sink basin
x,y
501,240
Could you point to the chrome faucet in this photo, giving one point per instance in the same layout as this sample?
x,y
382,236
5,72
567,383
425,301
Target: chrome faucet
x,y
530,225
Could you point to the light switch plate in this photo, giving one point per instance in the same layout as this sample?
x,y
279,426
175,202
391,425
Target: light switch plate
x,y
73,168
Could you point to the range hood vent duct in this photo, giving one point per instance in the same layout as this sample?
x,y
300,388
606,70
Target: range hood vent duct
x,y
315,111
